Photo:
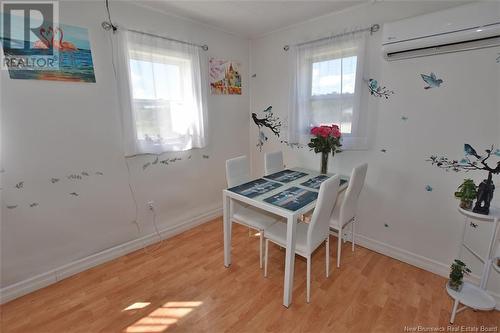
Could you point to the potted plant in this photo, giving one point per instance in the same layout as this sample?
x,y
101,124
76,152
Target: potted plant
x,y
466,192
457,272
325,140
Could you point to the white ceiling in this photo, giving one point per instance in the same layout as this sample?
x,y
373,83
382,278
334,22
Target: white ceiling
x,y
250,18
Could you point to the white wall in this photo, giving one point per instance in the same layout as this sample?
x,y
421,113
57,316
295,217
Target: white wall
x,y
423,227
53,129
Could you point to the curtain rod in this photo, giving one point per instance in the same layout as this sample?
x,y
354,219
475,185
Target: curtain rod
x,y
108,26
372,29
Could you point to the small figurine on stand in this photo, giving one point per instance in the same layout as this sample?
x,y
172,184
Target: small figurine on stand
x,y
484,196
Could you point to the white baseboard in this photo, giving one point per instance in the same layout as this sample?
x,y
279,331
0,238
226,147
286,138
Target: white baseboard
x,y
42,280
414,260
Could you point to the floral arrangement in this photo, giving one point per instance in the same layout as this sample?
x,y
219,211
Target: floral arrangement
x,y
325,140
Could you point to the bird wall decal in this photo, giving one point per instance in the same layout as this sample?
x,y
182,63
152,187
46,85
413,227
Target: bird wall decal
x,y
262,138
469,150
431,80
268,121
377,90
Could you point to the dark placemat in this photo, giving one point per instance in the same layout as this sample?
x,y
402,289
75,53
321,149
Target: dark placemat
x,y
315,182
293,198
255,187
286,176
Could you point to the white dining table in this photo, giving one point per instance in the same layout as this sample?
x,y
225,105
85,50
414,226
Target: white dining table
x,y
291,217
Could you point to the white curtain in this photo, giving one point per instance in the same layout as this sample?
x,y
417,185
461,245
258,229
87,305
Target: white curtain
x,y
162,88
326,82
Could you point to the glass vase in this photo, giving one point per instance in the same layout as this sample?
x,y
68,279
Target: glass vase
x,y
324,163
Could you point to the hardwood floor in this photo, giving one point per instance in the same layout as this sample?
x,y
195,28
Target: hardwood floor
x,y
183,286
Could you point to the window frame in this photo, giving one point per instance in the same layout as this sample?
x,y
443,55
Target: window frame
x,y
334,54
184,63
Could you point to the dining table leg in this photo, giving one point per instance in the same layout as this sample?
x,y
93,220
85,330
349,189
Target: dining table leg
x,y
289,259
226,207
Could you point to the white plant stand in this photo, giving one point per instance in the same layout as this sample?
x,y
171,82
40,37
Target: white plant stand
x,y
476,297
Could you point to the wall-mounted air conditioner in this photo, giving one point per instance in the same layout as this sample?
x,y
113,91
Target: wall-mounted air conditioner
x,y
467,27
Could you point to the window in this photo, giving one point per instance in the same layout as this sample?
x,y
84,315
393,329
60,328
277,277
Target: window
x,y
332,92
165,98
326,88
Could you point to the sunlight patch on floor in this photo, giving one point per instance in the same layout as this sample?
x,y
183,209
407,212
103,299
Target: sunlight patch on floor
x,y
136,305
163,317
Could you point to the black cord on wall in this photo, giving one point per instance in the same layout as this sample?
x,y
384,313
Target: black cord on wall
x,y
108,25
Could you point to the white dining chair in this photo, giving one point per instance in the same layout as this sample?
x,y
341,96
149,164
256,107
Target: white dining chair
x,y
345,212
237,173
308,235
273,162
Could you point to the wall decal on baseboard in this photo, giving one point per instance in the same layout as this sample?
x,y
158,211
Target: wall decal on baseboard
x,y
74,176
431,80
53,180
377,90
428,188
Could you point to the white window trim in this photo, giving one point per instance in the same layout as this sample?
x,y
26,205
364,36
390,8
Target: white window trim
x,y
297,131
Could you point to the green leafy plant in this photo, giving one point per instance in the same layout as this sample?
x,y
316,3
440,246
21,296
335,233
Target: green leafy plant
x,y
458,270
466,192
